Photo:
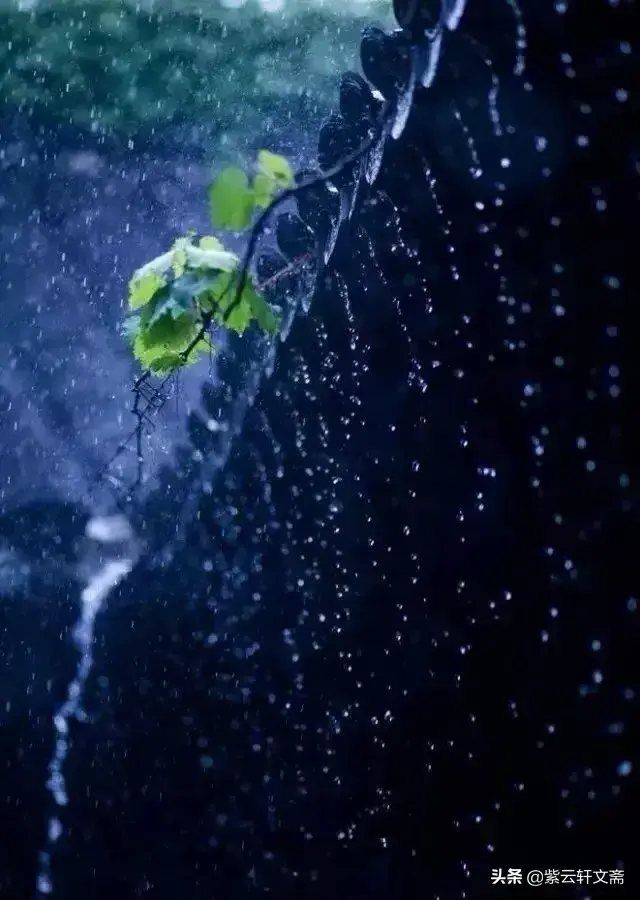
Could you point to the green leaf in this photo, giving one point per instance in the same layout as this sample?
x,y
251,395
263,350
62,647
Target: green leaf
x,y
177,304
264,188
208,242
161,359
179,261
207,299
169,332
142,290
259,309
130,328
231,200
221,295
160,347
166,363
264,314
179,256
147,356
277,167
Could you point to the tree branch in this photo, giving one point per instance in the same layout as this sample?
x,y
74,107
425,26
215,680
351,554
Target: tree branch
x,y
295,191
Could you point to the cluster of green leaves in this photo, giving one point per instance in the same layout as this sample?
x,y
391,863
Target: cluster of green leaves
x,y
176,298
234,199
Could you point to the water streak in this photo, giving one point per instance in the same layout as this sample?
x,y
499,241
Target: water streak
x,y
92,599
452,11
521,38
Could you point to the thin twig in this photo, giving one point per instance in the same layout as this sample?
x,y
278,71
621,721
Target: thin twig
x,y
285,270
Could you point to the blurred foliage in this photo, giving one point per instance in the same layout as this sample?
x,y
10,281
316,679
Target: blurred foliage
x,y
111,64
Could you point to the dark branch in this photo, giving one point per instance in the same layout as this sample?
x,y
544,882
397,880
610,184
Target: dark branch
x,y
298,189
